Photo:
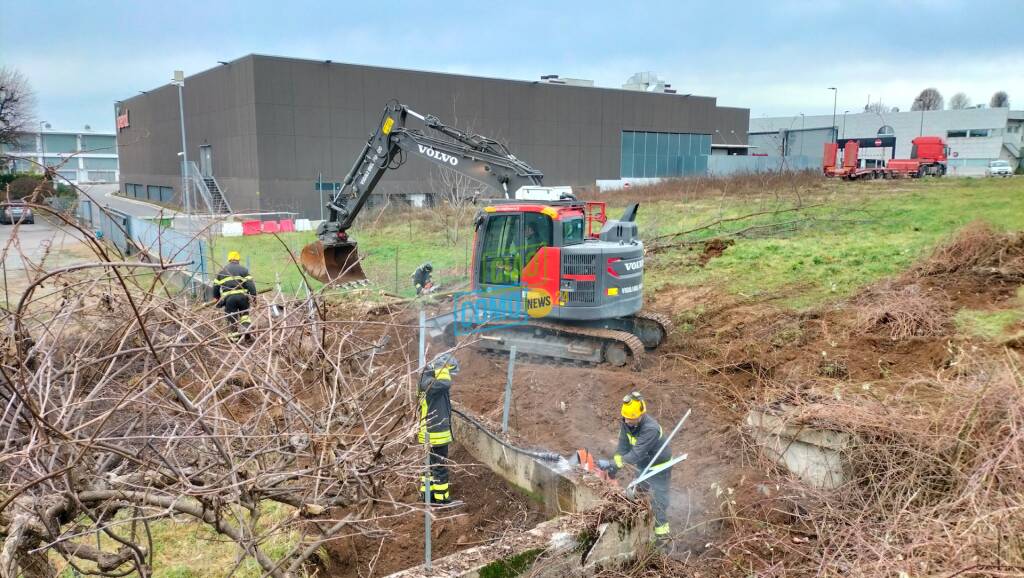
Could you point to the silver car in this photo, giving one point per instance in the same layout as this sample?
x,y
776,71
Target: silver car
x,y
16,211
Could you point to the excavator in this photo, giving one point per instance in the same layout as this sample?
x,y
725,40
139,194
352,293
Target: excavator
x,y
552,276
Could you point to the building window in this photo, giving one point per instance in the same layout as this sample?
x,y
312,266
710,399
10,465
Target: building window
x,y
663,154
886,130
60,143
956,133
99,143
978,132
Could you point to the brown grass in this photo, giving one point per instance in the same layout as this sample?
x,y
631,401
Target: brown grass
x,y
702,187
902,312
976,246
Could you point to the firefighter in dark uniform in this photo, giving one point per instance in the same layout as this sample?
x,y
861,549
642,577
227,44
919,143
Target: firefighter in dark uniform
x,y
436,424
232,289
421,278
640,437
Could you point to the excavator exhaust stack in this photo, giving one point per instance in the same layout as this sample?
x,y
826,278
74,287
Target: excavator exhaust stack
x,y
337,263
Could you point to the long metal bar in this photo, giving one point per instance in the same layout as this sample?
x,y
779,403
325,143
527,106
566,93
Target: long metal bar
x,y
652,473
427,516
661,449
508,389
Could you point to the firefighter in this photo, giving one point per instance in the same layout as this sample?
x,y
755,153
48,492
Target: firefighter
x,y
233,288
436,424
640,437
421,278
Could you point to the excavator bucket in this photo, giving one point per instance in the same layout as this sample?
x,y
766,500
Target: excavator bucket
x,y
334,264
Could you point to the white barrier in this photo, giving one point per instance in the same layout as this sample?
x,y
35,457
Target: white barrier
x,y
300,225
232,229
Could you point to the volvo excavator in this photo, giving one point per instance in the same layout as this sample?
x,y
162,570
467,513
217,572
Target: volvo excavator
x,y
551,275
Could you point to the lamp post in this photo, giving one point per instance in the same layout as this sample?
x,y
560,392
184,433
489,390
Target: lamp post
x,y
844,123
835,99
803,124
42,144
179,81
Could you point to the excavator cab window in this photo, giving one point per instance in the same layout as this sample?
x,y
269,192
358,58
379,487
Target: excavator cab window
x,y
537,231
572,231
500,262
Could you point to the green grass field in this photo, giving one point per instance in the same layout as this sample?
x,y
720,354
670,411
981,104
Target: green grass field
x,y
859,233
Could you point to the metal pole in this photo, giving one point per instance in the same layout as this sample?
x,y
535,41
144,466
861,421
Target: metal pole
x,y
920,131
803,124
185,189
320,187
844,123
661,449
508,389
835,99
426,462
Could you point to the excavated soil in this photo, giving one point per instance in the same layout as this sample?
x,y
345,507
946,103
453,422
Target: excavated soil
x,y
492,509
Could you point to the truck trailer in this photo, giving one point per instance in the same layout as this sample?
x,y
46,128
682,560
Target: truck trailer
x,y
928,158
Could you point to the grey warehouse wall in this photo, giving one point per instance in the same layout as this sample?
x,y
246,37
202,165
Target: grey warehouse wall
x,y
274,123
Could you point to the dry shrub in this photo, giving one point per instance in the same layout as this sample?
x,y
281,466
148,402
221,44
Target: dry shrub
x,y
689,188
934,488
903,312
977,245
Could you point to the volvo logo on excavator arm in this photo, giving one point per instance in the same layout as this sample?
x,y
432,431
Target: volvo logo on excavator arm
x,y
444,158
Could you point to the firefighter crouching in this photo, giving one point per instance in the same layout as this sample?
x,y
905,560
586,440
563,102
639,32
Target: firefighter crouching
x,y
233,289
436,424
640,437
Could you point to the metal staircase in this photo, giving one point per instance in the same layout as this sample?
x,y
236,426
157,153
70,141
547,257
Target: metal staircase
x,y
219,203
208,189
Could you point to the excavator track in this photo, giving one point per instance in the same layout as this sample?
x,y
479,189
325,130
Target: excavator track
x,y
660,318
632,342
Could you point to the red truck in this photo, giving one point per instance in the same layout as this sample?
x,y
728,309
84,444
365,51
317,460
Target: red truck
x,y
928,154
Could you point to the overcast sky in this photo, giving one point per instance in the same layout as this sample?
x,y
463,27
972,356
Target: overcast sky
x,y
776,58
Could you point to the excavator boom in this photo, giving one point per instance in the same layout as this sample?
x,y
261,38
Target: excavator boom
x,y
334,258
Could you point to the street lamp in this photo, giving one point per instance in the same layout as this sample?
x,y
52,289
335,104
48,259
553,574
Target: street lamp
x,y
179,81
835,98
803,124
42,144
844,123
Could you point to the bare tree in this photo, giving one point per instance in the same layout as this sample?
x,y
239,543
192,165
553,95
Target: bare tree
x,y
17,105
876,107
929,99
999,100
959,101
124,404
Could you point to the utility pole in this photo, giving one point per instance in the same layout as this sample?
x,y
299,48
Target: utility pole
x,y
920,131
835,99
844,123
179,81
803,124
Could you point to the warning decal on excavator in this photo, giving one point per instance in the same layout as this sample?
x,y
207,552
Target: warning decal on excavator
x,y
388,123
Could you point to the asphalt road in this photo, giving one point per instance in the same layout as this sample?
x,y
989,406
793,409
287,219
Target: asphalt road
x,y
40,244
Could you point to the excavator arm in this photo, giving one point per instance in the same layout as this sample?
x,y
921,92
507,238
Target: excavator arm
x,y
334,257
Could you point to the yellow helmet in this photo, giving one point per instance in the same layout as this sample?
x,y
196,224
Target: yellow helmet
x,y
633,406
234,256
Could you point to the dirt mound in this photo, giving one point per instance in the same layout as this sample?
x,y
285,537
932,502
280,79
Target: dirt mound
x,y
713,249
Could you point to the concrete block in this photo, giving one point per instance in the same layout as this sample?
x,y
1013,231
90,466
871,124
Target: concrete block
x,y
303,225
231,229
814,455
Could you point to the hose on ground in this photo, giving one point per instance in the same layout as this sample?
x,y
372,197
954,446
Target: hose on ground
x,y
546,456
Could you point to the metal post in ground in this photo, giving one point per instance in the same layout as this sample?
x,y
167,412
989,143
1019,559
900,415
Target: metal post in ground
x,y
508,390
426,443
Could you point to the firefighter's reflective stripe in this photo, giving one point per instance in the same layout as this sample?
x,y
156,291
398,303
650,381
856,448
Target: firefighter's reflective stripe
x,y
233,292
238,278
436,438
443,373
662,530
618,461
246,319
439,492
632,439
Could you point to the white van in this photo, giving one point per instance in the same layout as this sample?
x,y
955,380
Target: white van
x,y
998,169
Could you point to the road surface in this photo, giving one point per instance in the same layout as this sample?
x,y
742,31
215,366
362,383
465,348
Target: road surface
x,y
36,247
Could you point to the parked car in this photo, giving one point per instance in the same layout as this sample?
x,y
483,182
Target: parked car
x,y
999,169
16,211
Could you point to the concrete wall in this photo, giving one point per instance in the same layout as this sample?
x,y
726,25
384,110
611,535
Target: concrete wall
x,y
274,123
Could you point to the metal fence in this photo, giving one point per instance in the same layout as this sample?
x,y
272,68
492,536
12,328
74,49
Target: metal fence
x,y
726,165
132,235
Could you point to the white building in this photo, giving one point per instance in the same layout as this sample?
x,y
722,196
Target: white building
x,y
79,156
975,136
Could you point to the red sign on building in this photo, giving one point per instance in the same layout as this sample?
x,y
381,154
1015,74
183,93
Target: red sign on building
x,y
122,120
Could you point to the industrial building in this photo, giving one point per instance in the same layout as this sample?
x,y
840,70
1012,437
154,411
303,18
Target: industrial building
x,y
975,135
79,157
264,130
